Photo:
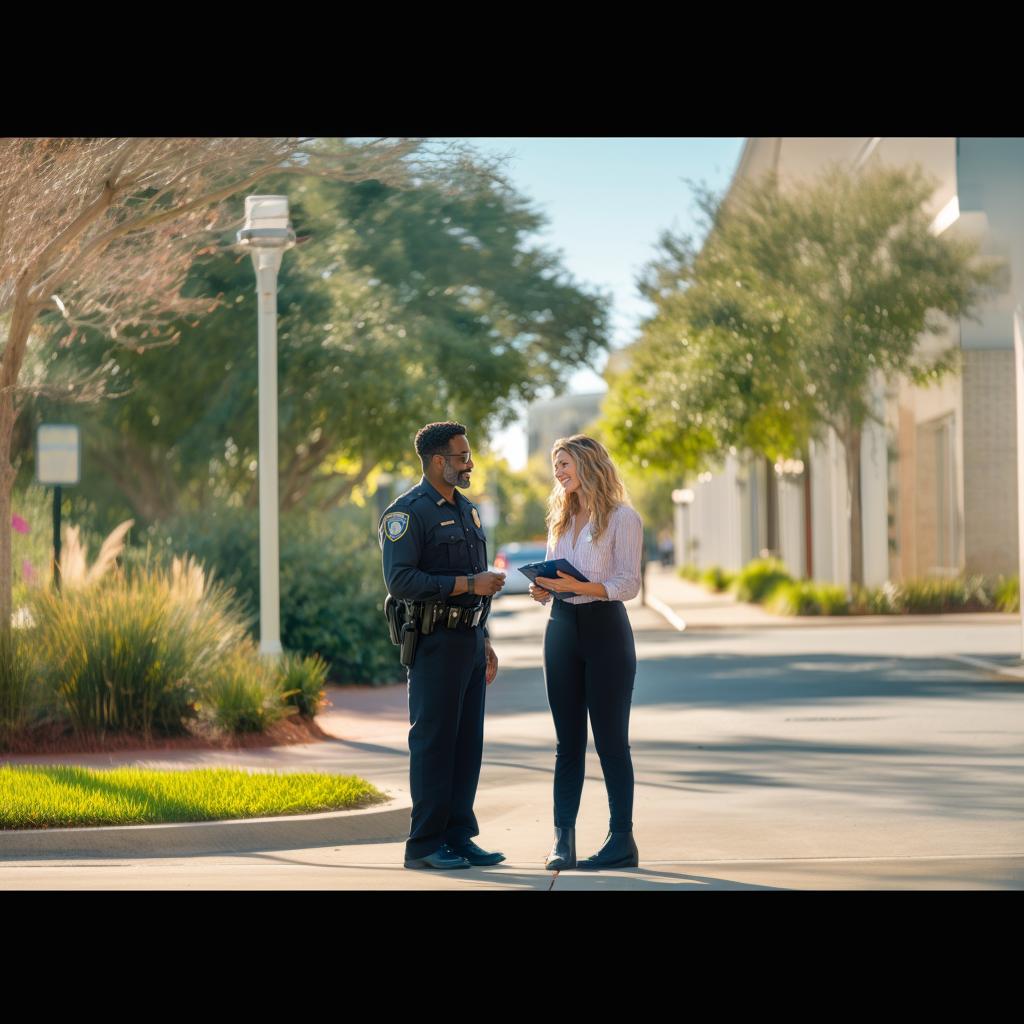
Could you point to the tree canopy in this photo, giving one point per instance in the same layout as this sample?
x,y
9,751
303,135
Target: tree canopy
x,y
778,327
400,305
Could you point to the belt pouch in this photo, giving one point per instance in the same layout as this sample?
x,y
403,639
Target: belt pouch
x,y
392,611
410,634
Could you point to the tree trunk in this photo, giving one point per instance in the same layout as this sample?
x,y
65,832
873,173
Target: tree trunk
x,y
851,444
6,570
22,316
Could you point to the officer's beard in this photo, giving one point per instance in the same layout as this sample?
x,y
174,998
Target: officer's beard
x,y
454,477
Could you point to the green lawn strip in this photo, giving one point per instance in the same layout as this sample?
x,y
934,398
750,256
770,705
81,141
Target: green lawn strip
x,y
62,796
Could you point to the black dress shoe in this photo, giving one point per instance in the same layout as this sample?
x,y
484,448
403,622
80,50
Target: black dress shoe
x,y
469,851
619,851
563,853
443,859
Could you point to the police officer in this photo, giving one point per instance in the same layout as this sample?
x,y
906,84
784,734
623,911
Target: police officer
x,y
435,560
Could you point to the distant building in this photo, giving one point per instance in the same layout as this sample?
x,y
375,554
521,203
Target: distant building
x,y
559,417
938,469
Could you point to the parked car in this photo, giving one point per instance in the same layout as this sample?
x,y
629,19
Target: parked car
x,y
510,557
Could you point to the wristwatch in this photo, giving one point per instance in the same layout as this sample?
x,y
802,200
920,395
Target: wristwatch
x,y
469,584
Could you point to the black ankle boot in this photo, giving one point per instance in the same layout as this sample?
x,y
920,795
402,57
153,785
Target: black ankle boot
x,y
563,853
619,851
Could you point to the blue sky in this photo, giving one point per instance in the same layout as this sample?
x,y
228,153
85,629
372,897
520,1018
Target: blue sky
x,y
607,201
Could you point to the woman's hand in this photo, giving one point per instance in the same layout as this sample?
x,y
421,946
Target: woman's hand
x,y
562,585
539,594
566,584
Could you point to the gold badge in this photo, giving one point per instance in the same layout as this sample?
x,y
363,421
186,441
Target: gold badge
x,y
476,518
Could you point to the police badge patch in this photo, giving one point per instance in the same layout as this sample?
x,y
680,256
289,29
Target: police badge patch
x,y
395,525
476,519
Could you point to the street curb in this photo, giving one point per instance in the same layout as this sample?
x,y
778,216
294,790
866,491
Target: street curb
x,y
382,824
665,611
1014,672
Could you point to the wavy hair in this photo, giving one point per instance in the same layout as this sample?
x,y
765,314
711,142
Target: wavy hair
x,y
599,482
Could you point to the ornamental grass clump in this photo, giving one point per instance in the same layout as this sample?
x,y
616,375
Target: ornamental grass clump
x,y
16,675
241,692
301,682
757,579
952,595
689,572
884,600
127,655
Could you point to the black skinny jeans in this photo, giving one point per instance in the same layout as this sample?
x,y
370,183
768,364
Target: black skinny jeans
x,y
590,666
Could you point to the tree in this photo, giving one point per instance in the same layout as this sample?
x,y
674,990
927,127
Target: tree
x,y
778,328
105,230
399,306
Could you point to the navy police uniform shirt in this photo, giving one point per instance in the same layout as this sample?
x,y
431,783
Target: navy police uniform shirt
x,y
427,541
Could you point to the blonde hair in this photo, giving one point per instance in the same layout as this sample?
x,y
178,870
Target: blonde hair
x,y
599,481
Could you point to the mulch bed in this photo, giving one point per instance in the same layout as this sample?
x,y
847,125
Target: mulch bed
x,y
55,739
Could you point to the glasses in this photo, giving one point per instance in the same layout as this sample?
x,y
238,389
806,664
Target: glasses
x,y
464,457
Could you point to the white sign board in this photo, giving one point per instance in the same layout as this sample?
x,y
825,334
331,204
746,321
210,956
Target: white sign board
x,y
58,459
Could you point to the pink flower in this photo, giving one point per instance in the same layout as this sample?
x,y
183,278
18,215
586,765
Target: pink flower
x,y
27,572
19,524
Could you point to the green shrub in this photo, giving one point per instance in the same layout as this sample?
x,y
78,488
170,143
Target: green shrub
x,y
1006,594
917,597
689,572
833,600
757,579
240,692
805,597
31,541
332,588
124,655
717,579
301,682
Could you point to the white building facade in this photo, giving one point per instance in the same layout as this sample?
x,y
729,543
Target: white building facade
x,y
938,473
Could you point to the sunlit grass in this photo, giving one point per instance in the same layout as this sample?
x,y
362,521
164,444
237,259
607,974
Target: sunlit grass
x,y
61,796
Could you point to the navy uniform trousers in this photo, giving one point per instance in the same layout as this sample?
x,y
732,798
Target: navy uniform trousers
x,y
447,685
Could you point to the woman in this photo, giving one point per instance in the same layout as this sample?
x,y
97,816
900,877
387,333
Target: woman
x,y
589,655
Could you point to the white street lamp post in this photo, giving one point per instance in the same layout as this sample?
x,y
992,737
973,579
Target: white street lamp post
x,y
267,234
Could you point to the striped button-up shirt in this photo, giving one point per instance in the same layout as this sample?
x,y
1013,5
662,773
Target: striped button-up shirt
x,y
613,559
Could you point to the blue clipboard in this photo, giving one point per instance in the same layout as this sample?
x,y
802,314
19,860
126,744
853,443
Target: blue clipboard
x,y
549,570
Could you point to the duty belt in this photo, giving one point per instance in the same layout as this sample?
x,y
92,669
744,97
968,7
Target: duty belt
x,y
433,615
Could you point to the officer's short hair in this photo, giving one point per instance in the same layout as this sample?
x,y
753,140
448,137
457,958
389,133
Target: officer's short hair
x,y
433,439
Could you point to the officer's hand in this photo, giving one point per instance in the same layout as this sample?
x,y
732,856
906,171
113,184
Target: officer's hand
x,y
488,583
539,594
492,662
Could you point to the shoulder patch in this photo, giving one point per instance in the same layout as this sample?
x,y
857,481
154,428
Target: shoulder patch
x,y
395,524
